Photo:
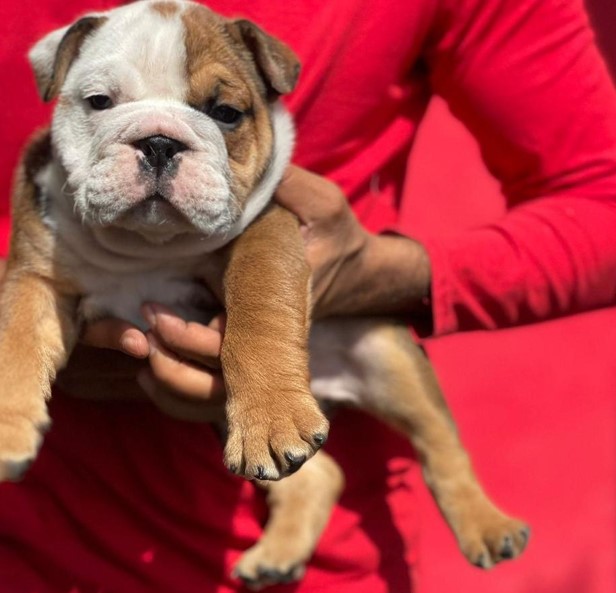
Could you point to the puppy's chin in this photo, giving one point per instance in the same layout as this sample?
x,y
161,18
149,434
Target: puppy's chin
x,y
156,220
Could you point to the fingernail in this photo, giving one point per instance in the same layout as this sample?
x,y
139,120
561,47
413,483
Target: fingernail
x,y
132,344
129,345
149,315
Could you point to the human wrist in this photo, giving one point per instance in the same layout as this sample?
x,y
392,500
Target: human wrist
x,y
397,275
390,276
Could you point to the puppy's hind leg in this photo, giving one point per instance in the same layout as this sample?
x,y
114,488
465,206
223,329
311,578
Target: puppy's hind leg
x,y
399,386
299,507
36,334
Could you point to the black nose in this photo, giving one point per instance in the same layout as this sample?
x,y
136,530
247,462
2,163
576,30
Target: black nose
x,y
159,151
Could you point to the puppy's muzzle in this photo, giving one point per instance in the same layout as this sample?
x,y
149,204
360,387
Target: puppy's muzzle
x,y
159,152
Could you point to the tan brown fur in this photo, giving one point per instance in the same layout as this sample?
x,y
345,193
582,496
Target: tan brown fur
x,y
37,328
274,421
415,405
276,62
407,395
219,70
32,245
299,509
401,389
166,9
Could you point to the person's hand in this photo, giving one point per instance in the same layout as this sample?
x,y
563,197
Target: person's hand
x,y
354,272
175,364
184,377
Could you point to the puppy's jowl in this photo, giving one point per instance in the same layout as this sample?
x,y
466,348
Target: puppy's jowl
x,y
159,168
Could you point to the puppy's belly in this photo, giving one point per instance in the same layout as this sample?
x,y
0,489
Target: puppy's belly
x,y
122,296
338,352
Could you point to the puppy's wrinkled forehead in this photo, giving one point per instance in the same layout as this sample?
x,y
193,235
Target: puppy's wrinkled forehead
x,y
172,49
169,50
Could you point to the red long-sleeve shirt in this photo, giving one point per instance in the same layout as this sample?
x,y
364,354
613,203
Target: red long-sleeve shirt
x,y
526,79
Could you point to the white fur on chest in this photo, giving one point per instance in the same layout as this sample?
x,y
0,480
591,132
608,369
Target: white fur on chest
x,y
123,295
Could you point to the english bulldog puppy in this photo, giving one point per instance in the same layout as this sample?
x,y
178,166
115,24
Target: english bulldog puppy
x,y
166,146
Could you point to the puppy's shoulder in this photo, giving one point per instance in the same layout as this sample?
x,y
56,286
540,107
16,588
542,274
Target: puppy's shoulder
x,y
32,240
27,194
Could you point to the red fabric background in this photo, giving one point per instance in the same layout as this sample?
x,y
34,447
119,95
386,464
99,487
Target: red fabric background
x,y
603,16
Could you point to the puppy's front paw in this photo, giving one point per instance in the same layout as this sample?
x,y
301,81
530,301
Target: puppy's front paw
x,y
271,563
492,537
268,440
20,439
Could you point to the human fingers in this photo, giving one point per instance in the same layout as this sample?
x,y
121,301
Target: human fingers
x,y
190,340
116,334
183,377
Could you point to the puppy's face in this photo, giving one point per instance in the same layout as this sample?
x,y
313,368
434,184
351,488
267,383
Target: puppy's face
x,y
163,122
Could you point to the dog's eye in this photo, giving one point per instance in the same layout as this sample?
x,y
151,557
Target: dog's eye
x,y
225,114
100,102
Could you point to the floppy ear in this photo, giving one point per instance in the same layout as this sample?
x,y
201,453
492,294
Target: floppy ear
x,y
53,55
276,62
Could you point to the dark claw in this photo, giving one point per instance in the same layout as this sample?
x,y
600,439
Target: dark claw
x,y
292,469
289,577
233,469
319,439
507,551
260,475
248,581
480,562
295,461
275,576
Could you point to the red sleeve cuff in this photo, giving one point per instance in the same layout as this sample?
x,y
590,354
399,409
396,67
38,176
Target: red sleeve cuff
x,y
443,318
548,258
